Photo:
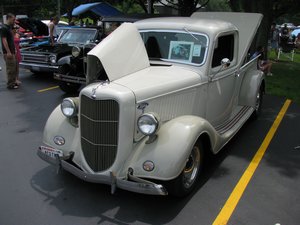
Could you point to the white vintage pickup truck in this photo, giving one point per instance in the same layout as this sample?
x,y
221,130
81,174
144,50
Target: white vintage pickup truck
x,y
162,93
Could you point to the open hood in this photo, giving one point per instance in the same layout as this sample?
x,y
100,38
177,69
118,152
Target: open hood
x,y
122,52
246,23
37,27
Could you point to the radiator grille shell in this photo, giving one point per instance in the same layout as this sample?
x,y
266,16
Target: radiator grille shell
x,y
99,123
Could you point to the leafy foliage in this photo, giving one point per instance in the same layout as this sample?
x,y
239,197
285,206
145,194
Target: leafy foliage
x,y
271,10
286,80
185,7
131,7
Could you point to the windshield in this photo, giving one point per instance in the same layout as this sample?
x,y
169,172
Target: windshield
x,y
176,46
81,36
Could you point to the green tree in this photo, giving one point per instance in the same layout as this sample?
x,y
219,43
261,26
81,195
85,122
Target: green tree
x,y
271,9
130,7
34,8
218,6
184,7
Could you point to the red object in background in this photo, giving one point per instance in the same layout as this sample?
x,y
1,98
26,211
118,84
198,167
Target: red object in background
x,y
24,32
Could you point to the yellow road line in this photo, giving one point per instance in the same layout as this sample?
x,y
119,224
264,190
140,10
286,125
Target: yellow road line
x,y
48,89
239,189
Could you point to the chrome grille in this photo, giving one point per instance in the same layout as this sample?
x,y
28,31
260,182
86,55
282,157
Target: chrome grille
x,y
99,122
35,58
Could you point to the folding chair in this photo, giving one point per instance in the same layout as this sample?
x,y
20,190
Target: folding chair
x,y
286,49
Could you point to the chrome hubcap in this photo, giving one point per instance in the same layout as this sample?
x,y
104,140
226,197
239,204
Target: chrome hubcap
x,y
257,105
191,169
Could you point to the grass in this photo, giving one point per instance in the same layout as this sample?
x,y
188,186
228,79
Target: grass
x,y
286,77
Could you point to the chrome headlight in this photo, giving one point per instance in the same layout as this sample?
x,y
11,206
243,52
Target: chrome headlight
x,y
76,51
148,123
69,107
52,58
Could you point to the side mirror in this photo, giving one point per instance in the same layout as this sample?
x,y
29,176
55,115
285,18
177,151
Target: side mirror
x,y
225,62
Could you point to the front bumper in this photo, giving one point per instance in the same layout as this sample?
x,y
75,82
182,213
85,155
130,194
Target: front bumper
x,y
70,79
39,67
132,183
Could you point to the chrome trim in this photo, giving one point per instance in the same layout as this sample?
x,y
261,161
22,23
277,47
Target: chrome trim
x,y
38,65
137,185
249,62
93,178
99,148
142,188
229,124
71,79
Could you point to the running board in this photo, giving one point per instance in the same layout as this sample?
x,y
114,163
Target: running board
x,y
240,117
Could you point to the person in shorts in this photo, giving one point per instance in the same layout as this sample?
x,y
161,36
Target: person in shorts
x,y
8,48
263,64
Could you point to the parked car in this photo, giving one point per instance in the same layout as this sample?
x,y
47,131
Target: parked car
x,y
171,91
72,75
32,32
47,58
32,41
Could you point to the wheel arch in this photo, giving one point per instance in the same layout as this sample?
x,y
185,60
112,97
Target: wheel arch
x,y
64,60
172,147
205,140
263,86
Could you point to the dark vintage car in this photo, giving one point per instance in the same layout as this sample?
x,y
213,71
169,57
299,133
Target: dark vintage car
x,y
47,58
71,75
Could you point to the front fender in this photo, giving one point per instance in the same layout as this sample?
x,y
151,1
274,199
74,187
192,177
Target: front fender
x,y
58,125
64,60
171,149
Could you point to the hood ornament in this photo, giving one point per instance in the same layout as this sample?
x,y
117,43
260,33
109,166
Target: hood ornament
x,y
101,84
142,106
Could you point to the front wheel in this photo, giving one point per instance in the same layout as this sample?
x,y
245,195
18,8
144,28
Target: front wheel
x,y
186,181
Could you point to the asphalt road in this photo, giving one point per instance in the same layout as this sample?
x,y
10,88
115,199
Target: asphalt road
x,y
32,193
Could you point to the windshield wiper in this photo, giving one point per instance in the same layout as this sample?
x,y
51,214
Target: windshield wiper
x,y
186,30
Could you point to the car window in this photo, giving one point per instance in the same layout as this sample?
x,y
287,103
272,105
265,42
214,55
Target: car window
x,y
80,36
223,49
176,46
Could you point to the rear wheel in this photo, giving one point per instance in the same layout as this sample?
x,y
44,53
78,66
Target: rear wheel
x,y
67,87
258,103
186,181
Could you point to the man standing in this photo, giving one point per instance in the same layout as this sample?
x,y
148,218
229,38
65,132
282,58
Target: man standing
x,y
9,51
274,38
52,29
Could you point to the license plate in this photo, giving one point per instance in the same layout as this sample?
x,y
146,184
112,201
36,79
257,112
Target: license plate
x,y
51,152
